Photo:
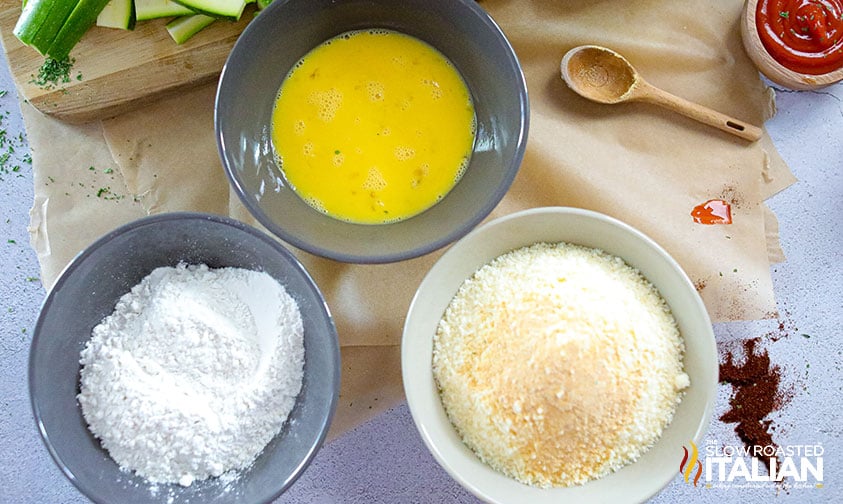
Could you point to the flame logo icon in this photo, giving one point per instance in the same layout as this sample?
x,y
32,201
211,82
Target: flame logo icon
x,y
689,462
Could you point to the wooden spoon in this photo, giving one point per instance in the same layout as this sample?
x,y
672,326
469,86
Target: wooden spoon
x,y
604,76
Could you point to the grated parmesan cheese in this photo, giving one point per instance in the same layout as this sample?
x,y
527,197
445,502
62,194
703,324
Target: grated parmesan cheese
x,y
558,364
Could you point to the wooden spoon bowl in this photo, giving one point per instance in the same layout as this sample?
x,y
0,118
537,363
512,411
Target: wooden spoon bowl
x,y
604,76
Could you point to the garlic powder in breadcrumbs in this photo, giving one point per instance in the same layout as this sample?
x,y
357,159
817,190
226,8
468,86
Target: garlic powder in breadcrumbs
x,y
558,364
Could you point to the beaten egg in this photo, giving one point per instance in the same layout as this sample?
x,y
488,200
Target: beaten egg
x,y
373,126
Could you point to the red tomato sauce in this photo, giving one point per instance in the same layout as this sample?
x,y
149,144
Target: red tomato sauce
x,y
805,36
714,211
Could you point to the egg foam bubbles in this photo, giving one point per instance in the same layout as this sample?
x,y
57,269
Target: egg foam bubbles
x,y
373,126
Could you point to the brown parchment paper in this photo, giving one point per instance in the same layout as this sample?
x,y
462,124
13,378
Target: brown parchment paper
x,y
646,166
79,190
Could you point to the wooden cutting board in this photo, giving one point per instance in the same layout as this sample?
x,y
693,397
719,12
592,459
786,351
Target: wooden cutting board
x,y
118,70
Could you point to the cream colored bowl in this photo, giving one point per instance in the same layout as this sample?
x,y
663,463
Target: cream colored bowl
x,y
635,482
771,68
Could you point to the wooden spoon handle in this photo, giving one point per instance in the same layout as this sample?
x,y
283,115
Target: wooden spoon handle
x,y
696,111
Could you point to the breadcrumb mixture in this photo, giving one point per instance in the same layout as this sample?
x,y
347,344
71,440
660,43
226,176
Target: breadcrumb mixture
x,y
558,364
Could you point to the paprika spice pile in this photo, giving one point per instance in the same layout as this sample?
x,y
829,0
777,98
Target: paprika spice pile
x,y
756,394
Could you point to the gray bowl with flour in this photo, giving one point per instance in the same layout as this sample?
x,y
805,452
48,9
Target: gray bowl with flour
x,y
88,290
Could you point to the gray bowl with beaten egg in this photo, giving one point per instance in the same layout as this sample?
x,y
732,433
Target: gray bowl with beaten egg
x,y
287,30
87,291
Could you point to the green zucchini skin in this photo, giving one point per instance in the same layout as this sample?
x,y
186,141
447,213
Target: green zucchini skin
x,y
154,9
54,27
226,9
183,28
78,23
41,20
118,14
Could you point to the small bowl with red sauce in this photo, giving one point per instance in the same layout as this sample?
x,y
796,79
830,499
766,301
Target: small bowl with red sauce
x,y
795,43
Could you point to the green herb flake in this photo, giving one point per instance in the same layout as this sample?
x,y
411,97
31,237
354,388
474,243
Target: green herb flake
x,y
53,73
32,279
108,170
106,194
784,14
13,242
92,168
3,93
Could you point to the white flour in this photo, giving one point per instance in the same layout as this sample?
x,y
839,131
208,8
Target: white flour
x,y
194,373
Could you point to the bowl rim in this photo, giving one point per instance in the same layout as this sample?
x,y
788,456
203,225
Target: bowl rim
x,y
520,143
769,66
422,417
153,220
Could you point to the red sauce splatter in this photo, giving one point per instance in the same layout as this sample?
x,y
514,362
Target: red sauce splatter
x,y
715,211
805,36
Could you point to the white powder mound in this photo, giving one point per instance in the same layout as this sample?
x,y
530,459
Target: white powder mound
x,y
558,364
194,373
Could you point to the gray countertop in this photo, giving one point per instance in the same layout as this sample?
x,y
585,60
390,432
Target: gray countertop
x,y
385,460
